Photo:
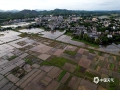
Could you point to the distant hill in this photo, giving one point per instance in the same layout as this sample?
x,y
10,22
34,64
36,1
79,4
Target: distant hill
x,y
9,11
28,12
1,10
57,11
77,12
14,11
15,14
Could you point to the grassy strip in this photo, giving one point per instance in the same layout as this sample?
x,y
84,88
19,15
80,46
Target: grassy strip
x,y
90,79
70,52
96,67
12,57
61,75
116,81
46,63
113,85
111,66
65,87
60,61
77,72
57,61
118,58
88,43
88,74
28,61
100,53
23,35
91,51
68,34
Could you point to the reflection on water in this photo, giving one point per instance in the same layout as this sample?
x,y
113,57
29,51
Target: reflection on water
x,y
52,31
52,34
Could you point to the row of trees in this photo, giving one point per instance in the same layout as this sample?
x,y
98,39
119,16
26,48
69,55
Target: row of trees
x,y
103,40
86,37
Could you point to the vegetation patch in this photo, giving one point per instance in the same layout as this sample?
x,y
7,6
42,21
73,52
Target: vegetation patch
x,y
61,75
19,72
65,87
68,34
23,35
57,61
116,81
70,52
100,53
111,86
119,70
114,85
91,51
90,74
96,67
118,58
111,66
89,79
86,42
68,80
28,61
1,35
46,63
29,35
12,57
77,72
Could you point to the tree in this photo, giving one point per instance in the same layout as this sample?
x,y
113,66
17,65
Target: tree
x,y
117,38
110,40
86,37
105,40
97,41
81,35
91,39
76,37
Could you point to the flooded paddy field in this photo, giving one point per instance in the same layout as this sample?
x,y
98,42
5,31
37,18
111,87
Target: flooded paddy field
x,y
44,63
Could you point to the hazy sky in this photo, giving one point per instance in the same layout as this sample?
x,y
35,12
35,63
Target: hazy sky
x,y
61,4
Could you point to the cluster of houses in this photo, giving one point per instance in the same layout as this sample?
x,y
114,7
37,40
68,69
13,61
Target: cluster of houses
x,y
15,21
66,23
51,22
